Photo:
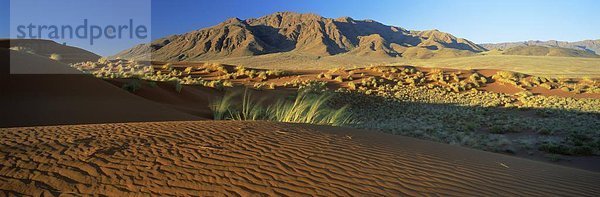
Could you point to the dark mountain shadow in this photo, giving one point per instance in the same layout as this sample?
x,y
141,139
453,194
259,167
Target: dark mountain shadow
x,y
354,29
431,47
460,46
270,35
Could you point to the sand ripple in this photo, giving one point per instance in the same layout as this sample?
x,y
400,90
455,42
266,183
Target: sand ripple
x,y
243,158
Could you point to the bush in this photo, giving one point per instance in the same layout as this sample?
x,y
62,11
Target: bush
x,y
262,76
312,87
132,85
103,60
56,57
320,76
508,75
227,84
546,85
188,70
276,73
351,86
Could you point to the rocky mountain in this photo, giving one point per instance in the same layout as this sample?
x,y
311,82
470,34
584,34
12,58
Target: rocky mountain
x,y
586,45
288,32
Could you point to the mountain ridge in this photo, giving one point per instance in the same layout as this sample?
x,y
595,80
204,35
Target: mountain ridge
x,y
290,32
585,45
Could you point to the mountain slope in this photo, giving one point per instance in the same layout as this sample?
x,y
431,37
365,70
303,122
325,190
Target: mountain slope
x,y
586,45
298,33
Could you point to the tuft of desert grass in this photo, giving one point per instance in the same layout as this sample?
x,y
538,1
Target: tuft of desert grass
x,y
304,108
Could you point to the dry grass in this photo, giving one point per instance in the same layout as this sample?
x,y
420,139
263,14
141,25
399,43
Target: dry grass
x,y
304,108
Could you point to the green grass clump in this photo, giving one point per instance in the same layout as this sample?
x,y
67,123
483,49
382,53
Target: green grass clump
x,y
308,109
220,107
304,108
178,86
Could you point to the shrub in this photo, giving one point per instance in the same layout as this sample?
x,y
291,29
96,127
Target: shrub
x,y
103,60
276,73
513,76
455,77
546,85
258,86
351,85
312,87
475,77
167,67
132,85
188,70
553,147
320,76
262,76
56,57
227,84
152,84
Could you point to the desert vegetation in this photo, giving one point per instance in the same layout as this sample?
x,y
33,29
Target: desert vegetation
x,y
302,108
444,105
469,119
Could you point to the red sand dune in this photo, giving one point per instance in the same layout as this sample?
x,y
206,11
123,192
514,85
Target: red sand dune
x,y
52,99
244,158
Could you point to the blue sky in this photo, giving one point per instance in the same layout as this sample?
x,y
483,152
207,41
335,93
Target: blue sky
x,y
479,21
